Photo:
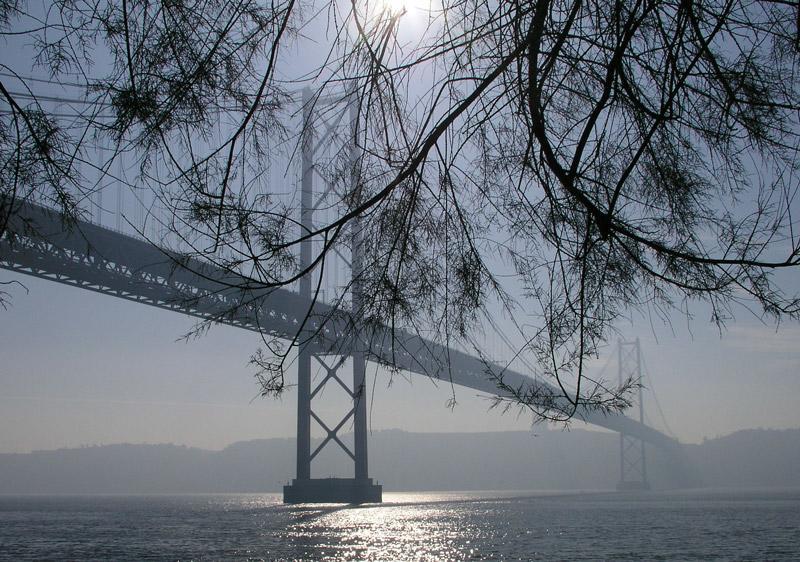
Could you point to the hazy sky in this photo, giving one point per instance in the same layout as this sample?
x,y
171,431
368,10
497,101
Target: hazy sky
x,y
81,368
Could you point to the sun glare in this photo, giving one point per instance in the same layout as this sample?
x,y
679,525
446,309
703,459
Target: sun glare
x,y
397,7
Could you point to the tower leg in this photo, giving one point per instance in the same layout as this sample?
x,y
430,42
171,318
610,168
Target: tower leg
x,y
360,416
303,415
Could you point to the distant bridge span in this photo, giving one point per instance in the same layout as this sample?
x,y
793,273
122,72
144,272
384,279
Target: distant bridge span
x,y
102,260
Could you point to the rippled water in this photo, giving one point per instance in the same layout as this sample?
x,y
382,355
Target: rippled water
x,y
706,525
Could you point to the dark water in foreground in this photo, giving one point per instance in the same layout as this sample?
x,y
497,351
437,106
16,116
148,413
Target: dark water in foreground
x,y
705,525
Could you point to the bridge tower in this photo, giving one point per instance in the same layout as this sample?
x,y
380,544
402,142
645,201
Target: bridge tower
x,y
305,489
632,459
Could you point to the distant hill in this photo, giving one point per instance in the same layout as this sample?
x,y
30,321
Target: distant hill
x,y
576,459
752,457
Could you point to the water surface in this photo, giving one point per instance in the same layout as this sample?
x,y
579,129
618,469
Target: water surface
x,y
698,525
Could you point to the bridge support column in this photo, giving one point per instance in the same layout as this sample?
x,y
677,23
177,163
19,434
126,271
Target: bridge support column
x,y
360,488
632,460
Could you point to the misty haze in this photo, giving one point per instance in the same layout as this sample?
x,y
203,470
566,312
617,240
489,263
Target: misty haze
x,y
399,280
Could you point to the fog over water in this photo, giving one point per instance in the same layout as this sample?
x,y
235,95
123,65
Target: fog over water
x,y
403,461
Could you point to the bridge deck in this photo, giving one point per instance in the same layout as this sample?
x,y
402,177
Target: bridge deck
x,y
95,258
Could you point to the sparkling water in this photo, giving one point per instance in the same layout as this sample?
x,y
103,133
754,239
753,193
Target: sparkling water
x,y
696,525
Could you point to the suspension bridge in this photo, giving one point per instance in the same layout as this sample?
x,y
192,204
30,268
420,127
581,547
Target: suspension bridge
x,y
98,258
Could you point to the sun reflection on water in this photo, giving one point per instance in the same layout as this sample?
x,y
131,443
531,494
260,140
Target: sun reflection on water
x,y
405,527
